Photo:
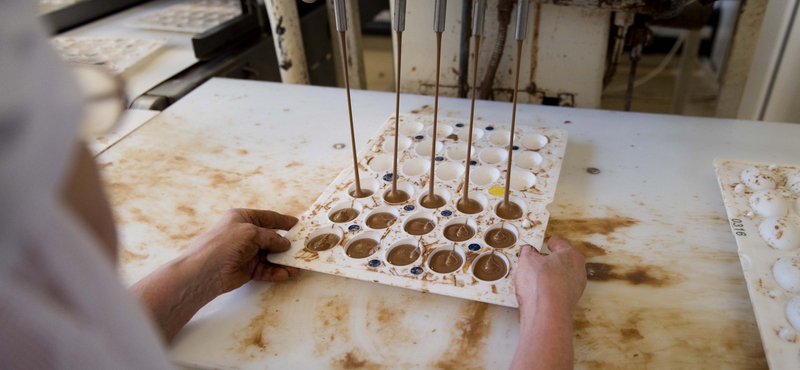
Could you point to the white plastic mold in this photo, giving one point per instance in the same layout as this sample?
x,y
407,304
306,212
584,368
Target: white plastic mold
x,y
533,186
763,227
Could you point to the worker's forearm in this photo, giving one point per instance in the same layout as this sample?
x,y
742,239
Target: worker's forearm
x,y
545,340
175,292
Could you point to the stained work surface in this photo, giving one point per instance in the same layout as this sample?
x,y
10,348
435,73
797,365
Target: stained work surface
x,y
665,288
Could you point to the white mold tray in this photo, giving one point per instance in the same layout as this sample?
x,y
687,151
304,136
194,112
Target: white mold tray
x,y
537,160
753,200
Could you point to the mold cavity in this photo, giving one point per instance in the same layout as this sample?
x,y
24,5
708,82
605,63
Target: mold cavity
x,y
457,152
477,205
442,198
448,171
502,235
404,193
345,212
490,266
404,252
403,144
424,148
534,141
415,167
382,217
528,160
324,239
522,180
442,130
482,175
493,155
368,187
460,229
500,138
477,134
410,128
363,246
512,211
446,260
420,223
380,163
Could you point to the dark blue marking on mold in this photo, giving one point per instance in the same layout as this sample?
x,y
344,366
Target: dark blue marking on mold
x,y
447,213
387,177
515,147
489,128
474,247
416,270
374,263
473,162
408,207
419,137
354,228
439,159
459,125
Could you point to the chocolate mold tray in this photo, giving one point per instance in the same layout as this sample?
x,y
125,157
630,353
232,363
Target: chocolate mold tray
x,y
195,16
363,252
763,209
114,54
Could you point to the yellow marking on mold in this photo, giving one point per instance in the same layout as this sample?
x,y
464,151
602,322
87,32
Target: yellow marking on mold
x,y
497,191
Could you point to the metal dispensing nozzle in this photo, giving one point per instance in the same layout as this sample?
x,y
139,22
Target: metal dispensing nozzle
x,y
478,12
522,19
439,13
340,13
399,15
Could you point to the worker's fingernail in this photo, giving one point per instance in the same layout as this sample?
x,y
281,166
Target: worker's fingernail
x,y
285,243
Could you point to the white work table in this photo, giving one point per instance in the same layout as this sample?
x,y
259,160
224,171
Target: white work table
x,y
667,289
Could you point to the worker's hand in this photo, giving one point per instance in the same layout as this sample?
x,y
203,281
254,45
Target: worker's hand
x,y
235,250
553,282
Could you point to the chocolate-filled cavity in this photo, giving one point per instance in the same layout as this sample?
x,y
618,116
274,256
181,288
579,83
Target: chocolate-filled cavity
x,y
490,267
362,248
434,201
445,261
500,238
323,242
403,255
469,206
364,193
381,220
509,210
419,226
344,215
459,232
394,197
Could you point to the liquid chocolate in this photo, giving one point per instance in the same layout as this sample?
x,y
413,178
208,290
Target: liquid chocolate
x,y
362,248
509,210
500,238
445,261
322,242
381,220
469,206
434,201
344,215
419,226
403,255
458,232
490,268
364,193
394,197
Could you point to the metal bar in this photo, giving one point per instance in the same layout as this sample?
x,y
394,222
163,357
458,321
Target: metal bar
x,y
463,55
439,15
340,13
478,15
399,15
522,19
